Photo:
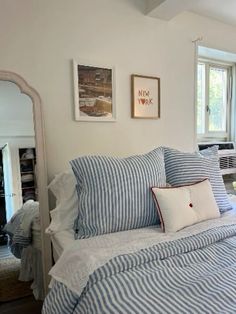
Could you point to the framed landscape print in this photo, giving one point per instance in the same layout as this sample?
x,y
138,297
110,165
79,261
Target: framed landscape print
x,y
145,94
94,92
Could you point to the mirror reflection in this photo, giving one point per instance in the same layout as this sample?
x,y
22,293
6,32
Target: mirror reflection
x,y
20,243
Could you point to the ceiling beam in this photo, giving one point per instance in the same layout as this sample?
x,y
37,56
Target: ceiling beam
x,y
152,5
166,9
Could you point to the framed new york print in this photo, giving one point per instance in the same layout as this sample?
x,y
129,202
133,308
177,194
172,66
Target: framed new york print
x,y
145,94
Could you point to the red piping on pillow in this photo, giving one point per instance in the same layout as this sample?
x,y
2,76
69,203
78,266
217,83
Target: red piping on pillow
x,y
159,211
168,187
178,186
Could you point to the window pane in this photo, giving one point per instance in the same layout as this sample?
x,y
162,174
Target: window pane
x,y
201,98
217,99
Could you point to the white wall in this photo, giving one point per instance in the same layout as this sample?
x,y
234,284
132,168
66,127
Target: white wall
x,y
16,112
39,38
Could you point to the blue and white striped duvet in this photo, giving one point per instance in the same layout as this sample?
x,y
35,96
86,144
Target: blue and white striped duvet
x,y
196,274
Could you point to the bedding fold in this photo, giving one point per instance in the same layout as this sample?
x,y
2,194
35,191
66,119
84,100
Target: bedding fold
x,y
19,228
194,272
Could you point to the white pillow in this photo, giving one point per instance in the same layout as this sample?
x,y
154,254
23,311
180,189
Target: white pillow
x,y
63,186
179,207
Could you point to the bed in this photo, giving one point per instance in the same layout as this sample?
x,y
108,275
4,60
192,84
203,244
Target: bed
x,y
25,243
179,265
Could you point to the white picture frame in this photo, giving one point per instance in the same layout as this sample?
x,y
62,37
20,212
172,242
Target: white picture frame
x,y
94,92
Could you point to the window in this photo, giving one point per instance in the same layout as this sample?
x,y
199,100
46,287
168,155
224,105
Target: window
x,y
213,100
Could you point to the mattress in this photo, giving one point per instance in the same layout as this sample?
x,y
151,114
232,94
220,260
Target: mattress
x,y
60,241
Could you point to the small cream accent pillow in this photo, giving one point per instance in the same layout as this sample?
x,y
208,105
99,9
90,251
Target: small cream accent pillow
x,y
179,207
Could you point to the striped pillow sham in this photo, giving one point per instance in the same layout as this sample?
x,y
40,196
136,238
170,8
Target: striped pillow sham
x,y
187,168
114,193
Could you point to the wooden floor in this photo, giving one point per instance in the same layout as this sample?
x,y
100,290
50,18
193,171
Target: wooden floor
x,y
27,305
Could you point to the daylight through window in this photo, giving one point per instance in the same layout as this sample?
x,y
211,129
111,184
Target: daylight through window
x,y
213,100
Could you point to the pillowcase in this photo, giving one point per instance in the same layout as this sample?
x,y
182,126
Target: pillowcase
x,y
187,168
63,186
179,207
114,193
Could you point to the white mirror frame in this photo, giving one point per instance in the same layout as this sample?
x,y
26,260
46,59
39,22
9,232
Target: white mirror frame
x,y
41,168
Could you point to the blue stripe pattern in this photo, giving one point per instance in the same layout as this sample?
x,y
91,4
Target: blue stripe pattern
x,y
18,240
195,275
187,168
114,193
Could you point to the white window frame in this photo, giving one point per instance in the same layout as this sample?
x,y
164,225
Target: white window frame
x,y
216,135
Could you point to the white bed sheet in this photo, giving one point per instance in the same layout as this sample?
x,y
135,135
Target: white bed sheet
x,y
60,241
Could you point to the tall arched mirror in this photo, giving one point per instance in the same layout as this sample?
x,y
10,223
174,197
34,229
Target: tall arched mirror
x,y
25,252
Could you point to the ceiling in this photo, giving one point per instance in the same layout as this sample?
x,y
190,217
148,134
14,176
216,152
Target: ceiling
x,y
221,10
